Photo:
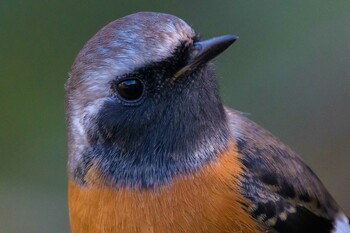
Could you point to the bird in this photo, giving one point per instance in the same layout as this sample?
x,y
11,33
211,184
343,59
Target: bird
x,y
152,148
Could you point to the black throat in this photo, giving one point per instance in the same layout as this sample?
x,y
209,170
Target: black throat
x,y
171,134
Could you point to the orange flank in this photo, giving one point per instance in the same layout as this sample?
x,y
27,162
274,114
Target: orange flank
x,y
207,201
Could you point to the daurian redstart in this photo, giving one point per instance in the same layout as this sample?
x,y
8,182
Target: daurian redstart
x,y
153,149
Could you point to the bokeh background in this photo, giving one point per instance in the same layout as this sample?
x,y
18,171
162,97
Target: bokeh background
x,y
289,70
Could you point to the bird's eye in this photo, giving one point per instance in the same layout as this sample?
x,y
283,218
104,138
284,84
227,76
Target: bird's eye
x,y
130,89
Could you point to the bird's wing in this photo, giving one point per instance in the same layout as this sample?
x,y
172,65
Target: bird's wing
x,y
285,195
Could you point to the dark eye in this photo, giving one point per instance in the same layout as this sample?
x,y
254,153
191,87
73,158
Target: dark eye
x,y
130,89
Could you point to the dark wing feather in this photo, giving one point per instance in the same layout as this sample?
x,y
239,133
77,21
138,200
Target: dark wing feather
x,y
285,195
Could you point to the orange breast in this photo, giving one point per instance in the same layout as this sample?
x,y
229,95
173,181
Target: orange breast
x,y
207,201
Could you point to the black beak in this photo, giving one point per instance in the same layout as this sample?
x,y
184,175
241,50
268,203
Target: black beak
x,y
204,51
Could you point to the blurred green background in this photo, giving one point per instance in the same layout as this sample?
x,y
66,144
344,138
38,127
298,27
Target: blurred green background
x,y
289,70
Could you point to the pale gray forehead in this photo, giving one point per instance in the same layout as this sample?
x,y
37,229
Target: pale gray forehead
x,y
132,42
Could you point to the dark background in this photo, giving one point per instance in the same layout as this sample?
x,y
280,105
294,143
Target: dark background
x,y
289,70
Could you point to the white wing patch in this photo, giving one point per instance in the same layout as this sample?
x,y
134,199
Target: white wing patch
x,y
341,224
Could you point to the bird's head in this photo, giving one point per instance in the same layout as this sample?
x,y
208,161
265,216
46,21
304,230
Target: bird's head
x,y
142,101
